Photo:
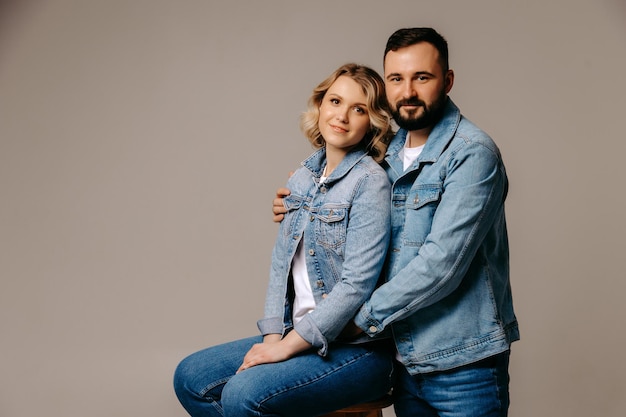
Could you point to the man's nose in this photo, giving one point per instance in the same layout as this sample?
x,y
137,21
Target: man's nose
x,y
408,90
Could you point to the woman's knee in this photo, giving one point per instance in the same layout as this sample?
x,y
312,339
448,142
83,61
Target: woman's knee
x,y
207,368
183,375
242,396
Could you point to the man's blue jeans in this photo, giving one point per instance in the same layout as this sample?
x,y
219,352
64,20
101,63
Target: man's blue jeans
x,y
477,390
305,385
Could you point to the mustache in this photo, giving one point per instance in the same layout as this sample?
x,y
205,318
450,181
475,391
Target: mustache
x,y
412,101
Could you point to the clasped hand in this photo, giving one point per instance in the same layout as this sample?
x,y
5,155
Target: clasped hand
x,y
264,353
274,349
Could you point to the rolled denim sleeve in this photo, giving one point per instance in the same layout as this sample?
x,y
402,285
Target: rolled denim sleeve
x,y
272,325
473,188
276,299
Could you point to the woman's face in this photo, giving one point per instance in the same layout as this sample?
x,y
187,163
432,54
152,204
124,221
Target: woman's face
x,y
344,117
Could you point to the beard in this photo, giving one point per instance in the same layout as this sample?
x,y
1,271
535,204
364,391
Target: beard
x,y
430,114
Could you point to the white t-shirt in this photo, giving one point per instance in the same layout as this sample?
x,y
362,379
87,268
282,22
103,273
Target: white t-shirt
x,y
409,155
303,302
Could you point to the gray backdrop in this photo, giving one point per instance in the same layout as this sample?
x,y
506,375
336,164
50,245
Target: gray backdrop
x,y
141,143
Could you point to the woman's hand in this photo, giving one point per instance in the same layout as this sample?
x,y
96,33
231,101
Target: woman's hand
x,y
272,338
272,351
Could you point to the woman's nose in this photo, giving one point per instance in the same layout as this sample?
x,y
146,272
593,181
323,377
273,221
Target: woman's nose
x,y
342,115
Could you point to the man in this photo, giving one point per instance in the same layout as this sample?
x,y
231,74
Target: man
x,y
446,293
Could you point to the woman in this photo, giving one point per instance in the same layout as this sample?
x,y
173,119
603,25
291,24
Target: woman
x,y
326,262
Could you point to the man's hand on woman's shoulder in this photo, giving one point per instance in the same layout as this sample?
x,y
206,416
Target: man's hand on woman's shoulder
x,y
278,208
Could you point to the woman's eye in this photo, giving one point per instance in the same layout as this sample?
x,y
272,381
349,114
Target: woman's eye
x,y
334,101
359,110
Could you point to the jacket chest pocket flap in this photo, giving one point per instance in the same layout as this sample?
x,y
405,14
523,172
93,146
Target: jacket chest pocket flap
x,y
423,195
331,214
290,225
293,202
331,227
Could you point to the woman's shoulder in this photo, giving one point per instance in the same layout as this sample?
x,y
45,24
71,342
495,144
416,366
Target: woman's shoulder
x,y
370,176
300,178
368,165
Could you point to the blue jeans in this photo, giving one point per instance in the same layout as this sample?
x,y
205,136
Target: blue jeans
x,y
305,385
479,389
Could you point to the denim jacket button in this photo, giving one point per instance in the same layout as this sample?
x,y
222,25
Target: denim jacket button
x,y
311,218
373,329
311,252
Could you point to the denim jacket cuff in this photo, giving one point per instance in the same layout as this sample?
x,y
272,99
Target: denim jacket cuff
x,y
270,326
367,323
307,329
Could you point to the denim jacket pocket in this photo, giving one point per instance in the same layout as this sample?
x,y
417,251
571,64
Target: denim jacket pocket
x,y
330,227
422,195
292,203
421,204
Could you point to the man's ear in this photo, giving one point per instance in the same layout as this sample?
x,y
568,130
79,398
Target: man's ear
x,y
449,80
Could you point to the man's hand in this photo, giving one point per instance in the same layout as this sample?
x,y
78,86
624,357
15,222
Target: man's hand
x,y
350,331
278,208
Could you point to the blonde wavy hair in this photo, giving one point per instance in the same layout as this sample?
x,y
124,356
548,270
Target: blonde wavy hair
x,y
379,134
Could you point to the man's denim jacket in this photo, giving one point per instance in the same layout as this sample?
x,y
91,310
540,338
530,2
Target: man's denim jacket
x,y
345,226
447,293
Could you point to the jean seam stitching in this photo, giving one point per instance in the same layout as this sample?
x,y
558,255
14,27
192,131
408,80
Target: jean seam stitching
x,y
213,385
322,376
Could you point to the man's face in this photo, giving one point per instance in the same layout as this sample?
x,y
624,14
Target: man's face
x,y
416,86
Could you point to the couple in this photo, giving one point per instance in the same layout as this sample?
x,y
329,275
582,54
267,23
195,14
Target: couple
x,y
424,211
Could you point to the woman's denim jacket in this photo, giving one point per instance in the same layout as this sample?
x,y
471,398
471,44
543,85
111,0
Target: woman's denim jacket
x,y
447,293
344,224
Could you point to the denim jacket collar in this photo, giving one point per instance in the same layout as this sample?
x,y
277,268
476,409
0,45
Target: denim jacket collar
x,y
316,163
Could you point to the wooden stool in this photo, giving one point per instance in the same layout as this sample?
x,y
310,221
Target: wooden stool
x,y
368,409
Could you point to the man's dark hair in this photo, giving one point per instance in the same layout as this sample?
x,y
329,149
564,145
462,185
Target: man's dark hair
x,y
411,36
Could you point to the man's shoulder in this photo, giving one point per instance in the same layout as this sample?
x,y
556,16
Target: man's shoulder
x,y
469,133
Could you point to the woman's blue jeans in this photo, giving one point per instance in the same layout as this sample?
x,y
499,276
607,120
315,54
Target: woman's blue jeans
x,y
480,389
305,385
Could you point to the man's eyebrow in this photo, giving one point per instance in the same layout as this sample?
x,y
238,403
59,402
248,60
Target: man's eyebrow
x,y
417,73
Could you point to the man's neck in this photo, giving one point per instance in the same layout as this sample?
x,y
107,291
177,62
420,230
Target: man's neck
x,y
417,138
